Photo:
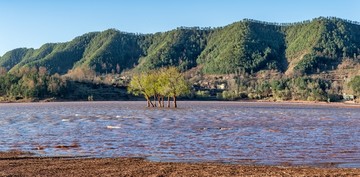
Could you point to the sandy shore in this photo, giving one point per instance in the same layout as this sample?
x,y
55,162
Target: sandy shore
x,y
24,164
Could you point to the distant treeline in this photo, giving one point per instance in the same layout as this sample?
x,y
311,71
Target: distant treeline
x,y
31,84
37,84
303,22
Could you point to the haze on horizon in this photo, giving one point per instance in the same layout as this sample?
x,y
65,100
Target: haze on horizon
x,y
34,23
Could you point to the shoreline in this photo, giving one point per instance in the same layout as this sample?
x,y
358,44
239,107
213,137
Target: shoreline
x,y
184,100
265,102
16,163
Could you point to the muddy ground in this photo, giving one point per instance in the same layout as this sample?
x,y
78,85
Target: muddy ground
x,y
24,164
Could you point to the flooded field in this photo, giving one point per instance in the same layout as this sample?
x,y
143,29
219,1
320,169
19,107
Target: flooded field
x,y
228,132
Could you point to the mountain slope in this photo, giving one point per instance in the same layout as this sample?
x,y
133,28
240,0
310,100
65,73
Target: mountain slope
x,y
112,51
321,44
179,47
13,57
249,45
300,41
100,51
58,57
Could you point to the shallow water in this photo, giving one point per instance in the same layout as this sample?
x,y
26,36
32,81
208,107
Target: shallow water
x,y
228,132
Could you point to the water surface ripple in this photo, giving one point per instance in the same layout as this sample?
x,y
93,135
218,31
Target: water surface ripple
x,y
229,132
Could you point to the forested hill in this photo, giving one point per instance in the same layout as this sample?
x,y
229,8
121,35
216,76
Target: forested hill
x,y
248,45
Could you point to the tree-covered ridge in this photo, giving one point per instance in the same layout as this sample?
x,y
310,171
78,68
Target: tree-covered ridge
x,y
107,51
112,51
56,57
249,45
322,44
340,39
225,46
13,57
180,47
301,38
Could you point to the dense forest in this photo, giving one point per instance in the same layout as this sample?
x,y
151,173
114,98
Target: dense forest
x,y
319,57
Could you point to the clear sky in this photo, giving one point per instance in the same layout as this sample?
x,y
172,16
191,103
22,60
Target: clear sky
x,y
31,23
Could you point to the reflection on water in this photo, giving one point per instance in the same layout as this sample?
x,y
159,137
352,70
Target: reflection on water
x,y
244,133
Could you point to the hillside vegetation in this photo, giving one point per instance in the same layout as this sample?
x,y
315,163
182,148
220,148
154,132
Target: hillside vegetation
x,y
310,60
250,45
244,45
321,44
180,47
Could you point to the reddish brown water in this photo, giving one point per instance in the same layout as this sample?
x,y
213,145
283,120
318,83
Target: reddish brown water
x,y
229,132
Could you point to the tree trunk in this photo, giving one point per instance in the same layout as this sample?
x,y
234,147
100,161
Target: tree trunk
x,y
168,103
149,103
155,101
162,100
174,99
159,100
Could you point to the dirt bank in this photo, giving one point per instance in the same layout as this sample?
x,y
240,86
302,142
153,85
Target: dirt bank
x,y
23,164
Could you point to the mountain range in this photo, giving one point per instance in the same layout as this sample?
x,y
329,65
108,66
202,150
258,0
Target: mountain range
x,y
306,47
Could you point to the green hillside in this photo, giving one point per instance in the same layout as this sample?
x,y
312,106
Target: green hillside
x,y
180,47
249,45
101,51
111,51
321,44
13,57
301,38
57,58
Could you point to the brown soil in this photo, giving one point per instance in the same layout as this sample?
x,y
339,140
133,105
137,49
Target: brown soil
x,y
23,164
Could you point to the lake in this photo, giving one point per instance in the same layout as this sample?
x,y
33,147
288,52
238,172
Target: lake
x,y
226,132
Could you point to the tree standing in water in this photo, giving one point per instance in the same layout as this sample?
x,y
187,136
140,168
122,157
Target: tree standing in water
x,y
173,84
137,86
166,82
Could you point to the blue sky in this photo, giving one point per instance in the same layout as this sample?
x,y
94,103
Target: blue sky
x,y
25,23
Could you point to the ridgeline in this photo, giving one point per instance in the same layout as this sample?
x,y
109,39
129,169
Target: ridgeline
x,y
326,48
